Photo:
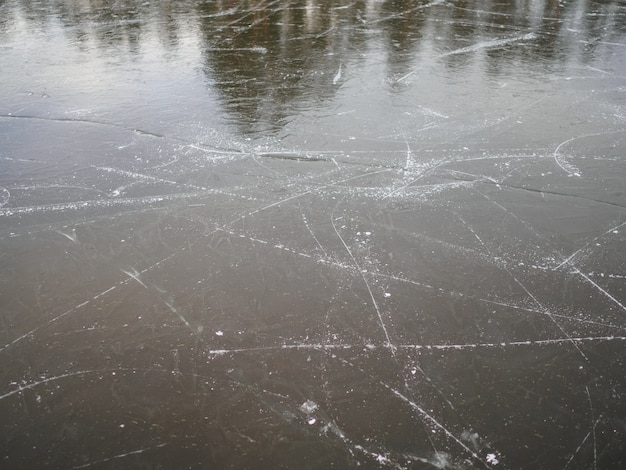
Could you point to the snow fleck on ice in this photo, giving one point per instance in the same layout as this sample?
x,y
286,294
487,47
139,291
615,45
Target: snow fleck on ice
x,y
308,407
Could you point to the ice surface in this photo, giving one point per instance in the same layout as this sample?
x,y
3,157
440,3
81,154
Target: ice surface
x,y
283,234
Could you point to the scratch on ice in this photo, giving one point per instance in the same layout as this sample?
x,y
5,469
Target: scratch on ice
x,y
442,347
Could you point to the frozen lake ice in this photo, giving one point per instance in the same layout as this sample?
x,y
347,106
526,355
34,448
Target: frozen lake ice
x,y
313,234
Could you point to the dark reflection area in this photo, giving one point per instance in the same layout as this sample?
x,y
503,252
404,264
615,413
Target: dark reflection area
x,y
117,27
312,234
270,60
275,58
403,32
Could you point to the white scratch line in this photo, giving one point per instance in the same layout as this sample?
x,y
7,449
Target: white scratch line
x,y
113,202
430,418
471,229
476,48
542,312
141,176
135,276
490,44
317,346
269,206
577,450
229,154
271,170
408,347
135,175
81,305
304,193
423,413
21,388
483,177
331,426
577,271
547,312
410,162
6,197
593,429
570,257
369,289
391,193
568,168
323,261
538,342
174,310
119,456
72,237
306,224
338,75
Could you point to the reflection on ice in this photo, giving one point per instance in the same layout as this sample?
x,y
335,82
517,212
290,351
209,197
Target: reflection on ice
x,y
352,234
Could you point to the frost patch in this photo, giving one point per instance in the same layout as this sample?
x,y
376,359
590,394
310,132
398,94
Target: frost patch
x,y
308,407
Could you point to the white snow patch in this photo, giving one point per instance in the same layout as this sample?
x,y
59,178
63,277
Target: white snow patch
x,y
308,407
